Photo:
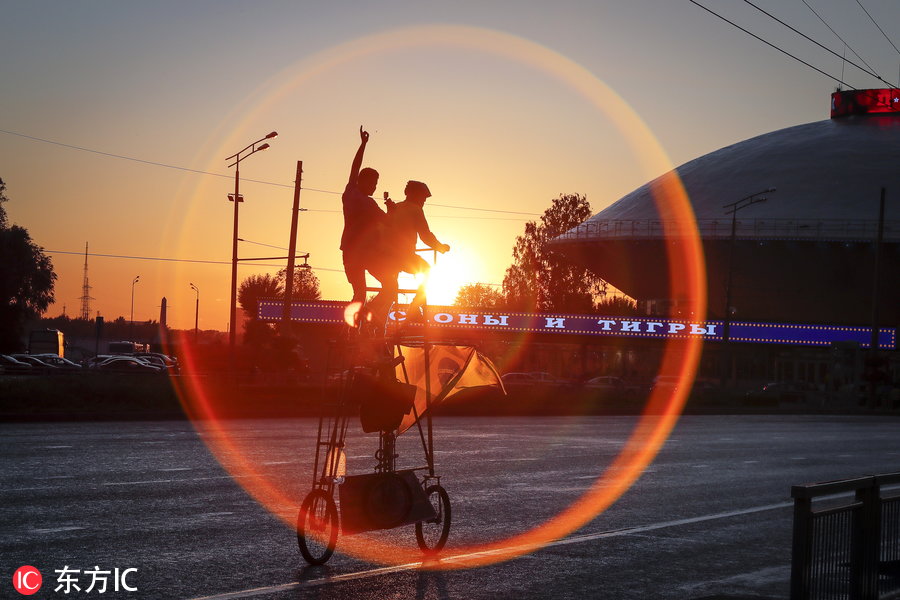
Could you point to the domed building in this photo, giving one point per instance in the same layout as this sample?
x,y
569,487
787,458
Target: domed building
x,y
803,253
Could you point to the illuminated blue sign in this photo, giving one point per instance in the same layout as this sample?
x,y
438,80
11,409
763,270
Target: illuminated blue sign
x,y
453,318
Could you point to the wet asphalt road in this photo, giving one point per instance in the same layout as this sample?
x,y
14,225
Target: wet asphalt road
x,y
710,518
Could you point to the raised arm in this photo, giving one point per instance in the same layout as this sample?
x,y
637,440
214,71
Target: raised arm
x,y
357,160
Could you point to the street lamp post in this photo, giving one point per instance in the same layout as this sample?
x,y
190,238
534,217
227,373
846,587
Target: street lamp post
x,y
196,311
131,320
237,198
733,209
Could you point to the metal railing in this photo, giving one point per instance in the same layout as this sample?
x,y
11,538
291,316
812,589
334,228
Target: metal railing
x,y
846,548
802,229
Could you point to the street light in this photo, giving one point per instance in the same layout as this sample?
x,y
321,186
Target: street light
x,y
237,198
196,310
733,209
131,334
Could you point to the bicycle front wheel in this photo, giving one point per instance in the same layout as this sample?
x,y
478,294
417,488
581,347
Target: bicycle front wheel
x,y
317,527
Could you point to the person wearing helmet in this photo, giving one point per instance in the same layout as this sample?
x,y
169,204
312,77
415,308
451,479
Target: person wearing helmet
x,y
404,226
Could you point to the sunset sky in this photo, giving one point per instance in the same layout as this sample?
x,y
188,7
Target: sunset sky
x,y
117,118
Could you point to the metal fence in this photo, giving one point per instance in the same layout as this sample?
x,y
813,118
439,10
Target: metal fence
x,y
846,540
889,566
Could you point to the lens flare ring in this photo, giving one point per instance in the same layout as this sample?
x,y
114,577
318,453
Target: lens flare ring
x,y
687,276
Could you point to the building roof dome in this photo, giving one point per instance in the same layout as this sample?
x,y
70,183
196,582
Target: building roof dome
x,y
828,176
808,252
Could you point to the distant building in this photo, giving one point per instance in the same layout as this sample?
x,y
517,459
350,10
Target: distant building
x,y
806,255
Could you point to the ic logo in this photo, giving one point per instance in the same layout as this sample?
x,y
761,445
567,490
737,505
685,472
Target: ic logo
x,y
27,580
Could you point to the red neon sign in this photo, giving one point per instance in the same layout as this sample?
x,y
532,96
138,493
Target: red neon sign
x,y
864,102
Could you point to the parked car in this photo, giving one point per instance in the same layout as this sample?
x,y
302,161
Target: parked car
x,y
90,363
606,385
159,359
11,366
36,363
544,377
518,379
126,364
605,382
58,361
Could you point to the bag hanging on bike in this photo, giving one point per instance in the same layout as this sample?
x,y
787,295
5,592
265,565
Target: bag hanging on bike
x,y
382,404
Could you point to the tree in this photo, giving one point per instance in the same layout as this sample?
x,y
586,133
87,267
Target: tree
x,y
306,284
480,295
252,289
255,287
543,280
26,280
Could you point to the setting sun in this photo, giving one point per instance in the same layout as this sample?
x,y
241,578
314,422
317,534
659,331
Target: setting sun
x,y
450,272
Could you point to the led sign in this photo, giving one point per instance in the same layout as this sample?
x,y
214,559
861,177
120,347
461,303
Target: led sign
x,y
453,318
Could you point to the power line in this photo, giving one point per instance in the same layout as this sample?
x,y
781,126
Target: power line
x,y
823,47
133,159
431,216
733,24
878,26
225,175
268,245
181,260
846,45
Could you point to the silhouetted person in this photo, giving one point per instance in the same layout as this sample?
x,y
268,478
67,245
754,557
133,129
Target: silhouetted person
x,y
363,221
405,224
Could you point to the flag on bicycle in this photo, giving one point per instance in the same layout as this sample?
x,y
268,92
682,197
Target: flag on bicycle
x,y
452,370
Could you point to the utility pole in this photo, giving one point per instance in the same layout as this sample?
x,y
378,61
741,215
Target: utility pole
x,y
292,250
733,209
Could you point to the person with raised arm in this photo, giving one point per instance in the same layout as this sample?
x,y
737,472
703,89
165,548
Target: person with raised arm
x,y
363,221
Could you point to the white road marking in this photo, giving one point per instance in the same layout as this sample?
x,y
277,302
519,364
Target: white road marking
x,y
463,558
149,481
57,529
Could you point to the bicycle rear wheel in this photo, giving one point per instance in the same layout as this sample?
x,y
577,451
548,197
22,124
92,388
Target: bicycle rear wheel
x,y
432,534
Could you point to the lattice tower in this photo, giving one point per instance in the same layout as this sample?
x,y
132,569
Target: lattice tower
x,y
86,289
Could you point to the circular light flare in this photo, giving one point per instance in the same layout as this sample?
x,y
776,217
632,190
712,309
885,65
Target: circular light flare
x,y
351,314
687,276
